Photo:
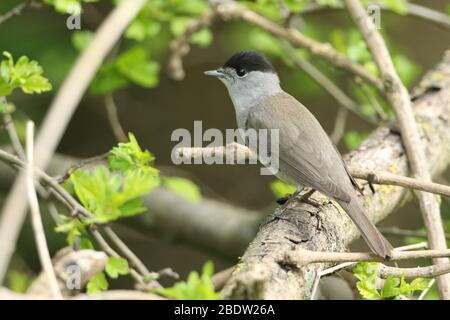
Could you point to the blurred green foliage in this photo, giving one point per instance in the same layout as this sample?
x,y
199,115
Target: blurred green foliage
x,y
184,187
393,287
281,189
68,6
196,287
353,139
97,283
18,281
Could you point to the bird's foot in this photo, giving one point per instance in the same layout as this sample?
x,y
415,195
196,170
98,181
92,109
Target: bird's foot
x,y
284,199
306,199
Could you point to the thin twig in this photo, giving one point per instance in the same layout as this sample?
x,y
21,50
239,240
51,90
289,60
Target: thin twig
x,y
373,101
398,96
299,257
134,260
17,10
339,125
36,220
80,165
113,118
140,280
396,180
180,47
11,129
411,273
220,278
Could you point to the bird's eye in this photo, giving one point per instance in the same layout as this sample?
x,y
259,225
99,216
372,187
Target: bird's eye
x,y
241,72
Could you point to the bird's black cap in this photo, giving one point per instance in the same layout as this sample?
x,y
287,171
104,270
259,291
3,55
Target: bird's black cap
x,y
250,61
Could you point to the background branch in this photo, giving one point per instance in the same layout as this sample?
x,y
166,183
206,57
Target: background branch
x,y
38,227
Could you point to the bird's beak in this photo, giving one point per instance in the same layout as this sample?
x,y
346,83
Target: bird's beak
x,y
215,73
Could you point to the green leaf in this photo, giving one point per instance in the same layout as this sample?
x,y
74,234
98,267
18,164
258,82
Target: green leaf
x,y
264,41
196,287
86,244
107,80
140,29
7,107
68,6
202,38
179,25
130,156
281,189
406,68
24,74
97,283
111,196
398,6
82,39
391,287
18,281
404,287
208,269
135,65
183,187
353,139
368,292
419,284
116,266
36,84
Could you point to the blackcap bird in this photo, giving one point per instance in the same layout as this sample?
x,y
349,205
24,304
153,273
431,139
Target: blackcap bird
x,y
307,157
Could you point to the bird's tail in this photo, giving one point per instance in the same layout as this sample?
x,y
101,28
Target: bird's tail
x,y
373,237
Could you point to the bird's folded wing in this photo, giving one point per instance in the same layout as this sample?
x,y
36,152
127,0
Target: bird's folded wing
x,y
306,154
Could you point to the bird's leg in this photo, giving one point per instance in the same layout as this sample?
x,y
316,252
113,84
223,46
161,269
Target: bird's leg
x,y
288,197
305,198
284,199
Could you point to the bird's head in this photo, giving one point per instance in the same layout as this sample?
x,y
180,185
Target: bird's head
x,y
248,76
